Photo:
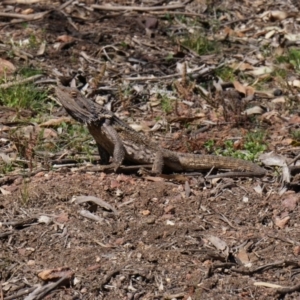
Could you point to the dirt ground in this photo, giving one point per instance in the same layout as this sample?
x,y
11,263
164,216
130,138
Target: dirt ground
x,y
147,237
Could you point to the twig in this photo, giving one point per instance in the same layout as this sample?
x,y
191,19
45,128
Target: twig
x,y
20,293
287,290
5,234
137,8
294,160
87,214
20,223
174,296
20,1
203,71
30,17
223,218
1,291
40,292
111,274
279,264
182,13
96,200
64,5
29,79
13,177
238,20
109,168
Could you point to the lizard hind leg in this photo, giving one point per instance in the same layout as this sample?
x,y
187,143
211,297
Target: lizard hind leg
x,y
157,166
158,163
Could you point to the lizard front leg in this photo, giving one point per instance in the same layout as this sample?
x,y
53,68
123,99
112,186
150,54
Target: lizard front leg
x,y
119,150
104,155
108,142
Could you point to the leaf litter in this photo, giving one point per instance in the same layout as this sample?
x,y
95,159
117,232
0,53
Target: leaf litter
x,y
197,76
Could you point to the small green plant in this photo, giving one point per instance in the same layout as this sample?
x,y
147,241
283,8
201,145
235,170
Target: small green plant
x,y
253,146
166,104
6,168
225,73
279,72
266,50
29,71
200,44
75,137
295,135
169,17
33,43
24,192
182,19
209,145
23,96
124,45
292,57
255,142
169,57
24,25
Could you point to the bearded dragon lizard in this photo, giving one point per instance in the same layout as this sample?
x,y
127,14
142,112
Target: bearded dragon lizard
x,y
117,139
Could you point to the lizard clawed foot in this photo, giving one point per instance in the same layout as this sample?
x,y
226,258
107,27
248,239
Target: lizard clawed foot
x,y
144,172
116,167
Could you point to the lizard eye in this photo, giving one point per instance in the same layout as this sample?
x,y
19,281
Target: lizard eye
x,y
73,93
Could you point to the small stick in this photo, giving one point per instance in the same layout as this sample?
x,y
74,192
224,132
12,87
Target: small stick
x,y
30,17
137,8
203,71
29,79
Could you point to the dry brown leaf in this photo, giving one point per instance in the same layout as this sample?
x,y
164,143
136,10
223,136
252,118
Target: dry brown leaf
x,y
290,202
4,192
6,67
218,243
243,257
255,110
241,66
65,38
145,212
27,11
294,120
94,267
250,90
62,218
296,250
42,49
261,71
288,141
57,122
54,274
282,222
239,87
295,83
49,133
274,15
